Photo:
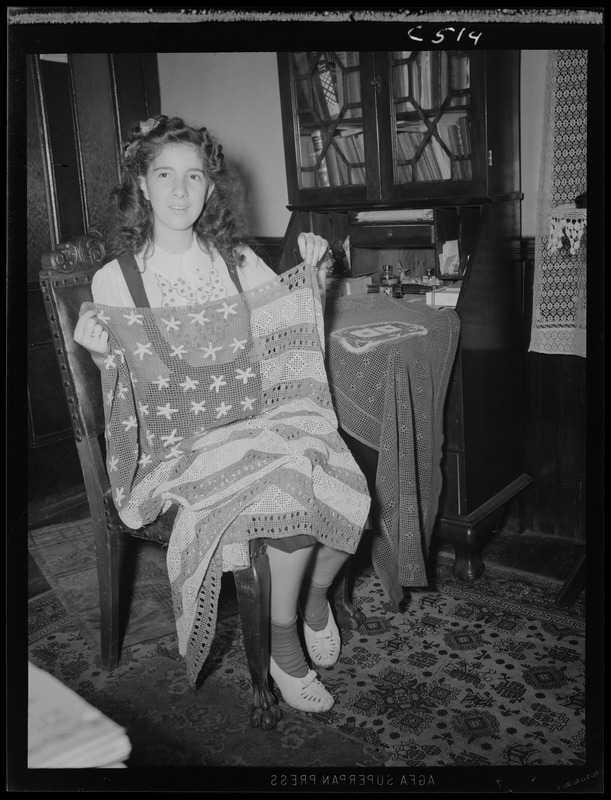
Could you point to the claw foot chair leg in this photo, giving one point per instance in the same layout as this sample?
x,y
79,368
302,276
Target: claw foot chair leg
x,y
253,591
348,615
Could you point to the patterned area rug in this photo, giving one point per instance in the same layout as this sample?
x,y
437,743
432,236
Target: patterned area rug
x,y
485,675
65,554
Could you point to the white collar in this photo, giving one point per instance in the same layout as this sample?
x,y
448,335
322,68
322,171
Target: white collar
x,y
171,265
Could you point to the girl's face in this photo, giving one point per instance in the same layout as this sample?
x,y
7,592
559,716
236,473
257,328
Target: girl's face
x,y
176,186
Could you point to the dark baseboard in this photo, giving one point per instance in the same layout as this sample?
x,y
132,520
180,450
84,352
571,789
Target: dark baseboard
x,y
64,509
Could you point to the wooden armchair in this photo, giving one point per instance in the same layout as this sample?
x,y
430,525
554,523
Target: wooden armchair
x,y
65,281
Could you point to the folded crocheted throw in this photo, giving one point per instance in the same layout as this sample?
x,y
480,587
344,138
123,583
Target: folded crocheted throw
x,y
389,364
224,409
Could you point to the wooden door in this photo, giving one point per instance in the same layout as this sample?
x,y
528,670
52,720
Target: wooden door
x,y
79,106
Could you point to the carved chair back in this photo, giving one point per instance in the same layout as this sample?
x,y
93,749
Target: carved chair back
x,y
65,281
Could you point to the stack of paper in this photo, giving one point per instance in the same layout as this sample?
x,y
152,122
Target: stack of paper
x,y
445,296
406,215
64,731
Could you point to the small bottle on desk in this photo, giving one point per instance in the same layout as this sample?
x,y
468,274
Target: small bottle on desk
x,y
389,280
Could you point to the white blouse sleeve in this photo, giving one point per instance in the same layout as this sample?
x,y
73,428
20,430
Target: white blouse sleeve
x,y
108,287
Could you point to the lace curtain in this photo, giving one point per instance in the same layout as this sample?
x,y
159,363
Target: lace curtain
x,y
559,298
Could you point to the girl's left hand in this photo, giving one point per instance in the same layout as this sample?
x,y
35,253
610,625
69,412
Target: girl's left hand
x,y
314,249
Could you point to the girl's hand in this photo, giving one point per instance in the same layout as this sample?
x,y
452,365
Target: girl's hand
x,y
314,249
91,335
316,252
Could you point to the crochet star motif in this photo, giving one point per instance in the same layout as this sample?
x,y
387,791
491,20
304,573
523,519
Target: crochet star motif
x,y
222,410
244,375
227,309
132,317
162,383
166,411
238,344
188,383
210,351
173,438
143,350
178,350
199,318
171,324
217,382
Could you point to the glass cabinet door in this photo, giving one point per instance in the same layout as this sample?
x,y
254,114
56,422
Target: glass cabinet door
x,y
329,119
431,108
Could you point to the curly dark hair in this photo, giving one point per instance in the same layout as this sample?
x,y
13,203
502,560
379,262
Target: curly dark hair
x,y
221,223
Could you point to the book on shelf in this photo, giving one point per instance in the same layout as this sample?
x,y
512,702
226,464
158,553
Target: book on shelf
x,y
455,148
401,84
442,159
443,75
339,83
433,168
460,78
426,164
440,82
465,135
401,149
350,142
338,172
408,141
458,140
428,87
424,79
307,161
322,169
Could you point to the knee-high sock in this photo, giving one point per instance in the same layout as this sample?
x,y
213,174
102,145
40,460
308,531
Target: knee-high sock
x,y
315,610
287,651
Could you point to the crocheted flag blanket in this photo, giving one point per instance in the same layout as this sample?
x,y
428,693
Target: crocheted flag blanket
x,y
224,409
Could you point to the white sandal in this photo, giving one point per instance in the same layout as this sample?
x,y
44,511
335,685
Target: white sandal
x,y
304,694
323,646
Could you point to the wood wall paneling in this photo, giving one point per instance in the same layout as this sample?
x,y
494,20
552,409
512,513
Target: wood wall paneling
x,y
97,132
77,107
555,434
136,89
150,83
65,165
39,223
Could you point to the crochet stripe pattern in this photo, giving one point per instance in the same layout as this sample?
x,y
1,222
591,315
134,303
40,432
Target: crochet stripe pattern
x,y
225,410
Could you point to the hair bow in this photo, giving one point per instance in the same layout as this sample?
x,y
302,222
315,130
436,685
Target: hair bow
x,y
148,126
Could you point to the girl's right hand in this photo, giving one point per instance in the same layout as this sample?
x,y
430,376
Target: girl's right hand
x,y
90,334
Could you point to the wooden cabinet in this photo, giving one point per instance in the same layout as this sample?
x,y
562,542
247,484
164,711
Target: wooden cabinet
x,y
434,130
399,127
